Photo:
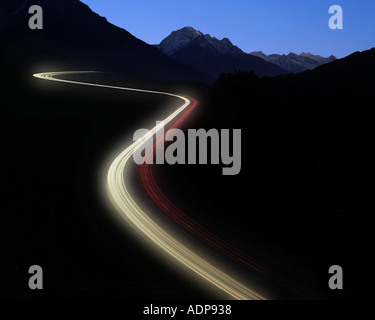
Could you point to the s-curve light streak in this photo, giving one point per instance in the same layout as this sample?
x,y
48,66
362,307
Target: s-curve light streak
x,y
117,188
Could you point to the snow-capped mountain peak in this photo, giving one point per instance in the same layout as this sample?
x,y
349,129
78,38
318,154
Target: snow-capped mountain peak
x,y
212,55
178,39
182,37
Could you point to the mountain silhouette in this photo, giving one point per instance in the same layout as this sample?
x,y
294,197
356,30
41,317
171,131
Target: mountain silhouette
x,y
355,71
295,63
213,56
73,36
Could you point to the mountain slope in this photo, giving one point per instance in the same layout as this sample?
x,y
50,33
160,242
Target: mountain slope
x,y
213,56
355,71
294,63
74,36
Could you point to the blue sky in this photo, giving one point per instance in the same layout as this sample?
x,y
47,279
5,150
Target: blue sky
x,y
272,26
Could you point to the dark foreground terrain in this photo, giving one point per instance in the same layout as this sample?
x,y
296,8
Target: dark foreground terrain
x,y
302,200
300,204
56,140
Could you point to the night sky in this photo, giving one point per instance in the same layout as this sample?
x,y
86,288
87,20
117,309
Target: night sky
x,y
272,26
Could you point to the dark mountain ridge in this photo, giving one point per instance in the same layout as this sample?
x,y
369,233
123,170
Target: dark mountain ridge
x,y
355,71
74,36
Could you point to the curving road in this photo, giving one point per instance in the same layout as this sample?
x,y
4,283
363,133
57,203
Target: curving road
x,y
129,209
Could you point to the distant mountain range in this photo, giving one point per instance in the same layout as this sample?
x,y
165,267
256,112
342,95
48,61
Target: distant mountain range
x,y
294,63
214,56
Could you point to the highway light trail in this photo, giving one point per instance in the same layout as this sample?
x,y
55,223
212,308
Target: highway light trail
x,y
200,232
118,191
